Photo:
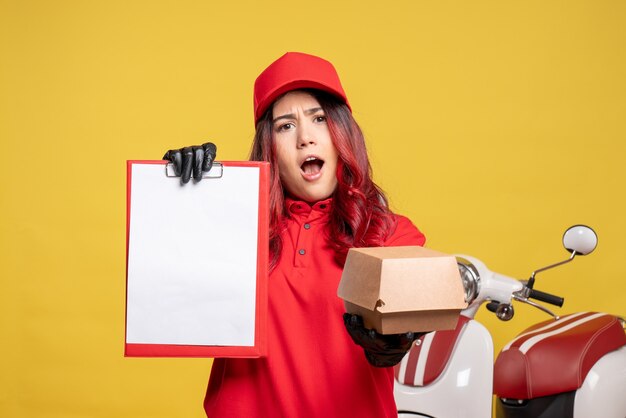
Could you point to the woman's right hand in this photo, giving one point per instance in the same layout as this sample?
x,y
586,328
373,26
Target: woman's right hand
x,y
196,158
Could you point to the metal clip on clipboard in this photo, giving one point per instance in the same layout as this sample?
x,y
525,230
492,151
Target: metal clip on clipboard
x,y
215,172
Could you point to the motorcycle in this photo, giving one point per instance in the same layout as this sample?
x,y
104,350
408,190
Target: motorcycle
x,y
569,366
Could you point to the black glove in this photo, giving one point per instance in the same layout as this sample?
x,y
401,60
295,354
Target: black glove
x,y
380,350
197,157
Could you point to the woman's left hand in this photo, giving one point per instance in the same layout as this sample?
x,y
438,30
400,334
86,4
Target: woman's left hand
x,y
380,350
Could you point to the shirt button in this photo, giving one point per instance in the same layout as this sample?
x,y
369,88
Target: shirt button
x,y
301,252
307,226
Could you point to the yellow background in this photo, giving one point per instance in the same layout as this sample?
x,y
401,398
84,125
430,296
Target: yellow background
x,y
494,125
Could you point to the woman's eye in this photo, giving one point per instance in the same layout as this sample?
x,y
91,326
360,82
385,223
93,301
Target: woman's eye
x,y
320,119
285,127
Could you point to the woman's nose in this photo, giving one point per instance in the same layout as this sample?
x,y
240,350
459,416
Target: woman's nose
x,y
305,137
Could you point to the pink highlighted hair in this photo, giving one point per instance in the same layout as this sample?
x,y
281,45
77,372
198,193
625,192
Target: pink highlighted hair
x,y
360,216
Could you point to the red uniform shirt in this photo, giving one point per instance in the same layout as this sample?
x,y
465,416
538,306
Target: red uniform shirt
x,y
313,369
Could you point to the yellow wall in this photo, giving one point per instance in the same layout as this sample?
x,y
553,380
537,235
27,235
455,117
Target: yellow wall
x,y
493,124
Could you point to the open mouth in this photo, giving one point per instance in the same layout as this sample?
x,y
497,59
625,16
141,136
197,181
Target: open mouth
x,y
312,166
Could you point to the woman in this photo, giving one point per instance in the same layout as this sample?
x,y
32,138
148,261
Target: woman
x,y
322,202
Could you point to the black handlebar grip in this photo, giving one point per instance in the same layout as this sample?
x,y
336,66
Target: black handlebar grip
x,y
546,297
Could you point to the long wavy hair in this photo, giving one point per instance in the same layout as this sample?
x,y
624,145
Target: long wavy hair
x,y
360,216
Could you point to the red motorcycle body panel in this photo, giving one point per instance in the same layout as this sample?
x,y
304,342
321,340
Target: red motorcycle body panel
x,y
433,350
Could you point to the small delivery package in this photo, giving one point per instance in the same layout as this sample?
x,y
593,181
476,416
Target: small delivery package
x,y
402,289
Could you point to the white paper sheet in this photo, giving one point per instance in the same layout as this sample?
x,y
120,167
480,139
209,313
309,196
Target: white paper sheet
x,y
192,258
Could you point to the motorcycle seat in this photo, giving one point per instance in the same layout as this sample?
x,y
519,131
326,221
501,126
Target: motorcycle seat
x,y
428,356
555,356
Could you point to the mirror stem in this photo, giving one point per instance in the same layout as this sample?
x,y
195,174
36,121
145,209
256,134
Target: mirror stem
x,y
531,281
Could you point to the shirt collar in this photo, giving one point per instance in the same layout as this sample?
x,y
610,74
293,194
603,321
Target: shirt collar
x,y
299,207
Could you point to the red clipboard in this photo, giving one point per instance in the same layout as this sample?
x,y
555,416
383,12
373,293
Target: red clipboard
x,y
145,321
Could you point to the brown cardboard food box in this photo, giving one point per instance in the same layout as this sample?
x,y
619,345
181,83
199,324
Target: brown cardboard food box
x,y
402,289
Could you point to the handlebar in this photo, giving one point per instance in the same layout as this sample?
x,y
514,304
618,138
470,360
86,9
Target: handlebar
x,y
546,297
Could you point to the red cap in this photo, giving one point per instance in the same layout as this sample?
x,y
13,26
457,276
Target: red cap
x,y
294,71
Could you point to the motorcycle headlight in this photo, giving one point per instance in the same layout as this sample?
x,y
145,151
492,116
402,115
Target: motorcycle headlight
x,y
470,278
